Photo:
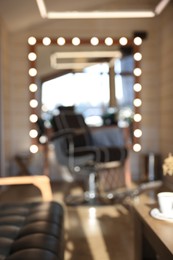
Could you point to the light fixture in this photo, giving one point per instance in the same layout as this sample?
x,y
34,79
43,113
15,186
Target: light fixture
x,y
33,148
56,63
108,41
61,41
32,40
161,6
101,14
33,87
137,117
137,40
137,72
72,65
33,133
32,56
123,41
137,133
46,41
86,54
32,72
75,41
137,56
137,147
137,87
137,102
33,118
33,103
94,41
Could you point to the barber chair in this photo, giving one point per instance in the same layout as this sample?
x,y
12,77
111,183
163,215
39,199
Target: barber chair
x,y
86,153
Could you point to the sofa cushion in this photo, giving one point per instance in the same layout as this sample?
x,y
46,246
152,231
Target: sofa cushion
x,y
31,231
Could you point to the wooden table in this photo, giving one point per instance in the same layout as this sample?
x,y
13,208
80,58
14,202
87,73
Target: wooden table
x,y
153,238
42,182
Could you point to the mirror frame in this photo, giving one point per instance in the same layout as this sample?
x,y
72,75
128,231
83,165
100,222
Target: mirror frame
x,y
34,42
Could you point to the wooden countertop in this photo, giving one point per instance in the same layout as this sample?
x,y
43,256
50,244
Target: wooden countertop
x,y
158,232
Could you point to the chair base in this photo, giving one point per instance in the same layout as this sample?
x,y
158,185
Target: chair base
x,y
110,198
91,195
85,200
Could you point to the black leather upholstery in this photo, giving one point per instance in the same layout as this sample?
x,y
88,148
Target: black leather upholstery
x,y
87,142
31,231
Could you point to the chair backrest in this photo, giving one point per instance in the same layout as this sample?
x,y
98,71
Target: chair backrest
x,y
65,145
76,122
101,136
108,136
61,151
107,141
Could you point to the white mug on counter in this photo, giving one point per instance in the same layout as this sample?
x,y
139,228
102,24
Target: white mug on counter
x,y
165,200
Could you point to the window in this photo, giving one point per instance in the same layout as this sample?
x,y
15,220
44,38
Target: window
x,y
124,81
87,90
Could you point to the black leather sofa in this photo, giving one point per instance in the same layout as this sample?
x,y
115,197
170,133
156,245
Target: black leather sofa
x,y
31,231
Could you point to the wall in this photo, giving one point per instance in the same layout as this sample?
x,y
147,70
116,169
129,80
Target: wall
x,y
166,122
151,78
4,99
1,130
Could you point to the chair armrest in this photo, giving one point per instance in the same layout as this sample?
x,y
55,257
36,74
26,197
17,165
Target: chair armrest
x,y
41,182
62,133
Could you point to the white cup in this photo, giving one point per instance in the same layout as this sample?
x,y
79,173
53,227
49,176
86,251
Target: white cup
x,y
165,200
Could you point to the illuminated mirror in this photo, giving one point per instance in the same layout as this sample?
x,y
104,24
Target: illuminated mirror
x,y
64,54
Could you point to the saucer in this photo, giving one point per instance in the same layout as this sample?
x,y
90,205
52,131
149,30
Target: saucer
x,y
155,213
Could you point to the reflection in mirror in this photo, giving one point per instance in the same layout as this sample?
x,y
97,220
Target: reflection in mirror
x,y
112,64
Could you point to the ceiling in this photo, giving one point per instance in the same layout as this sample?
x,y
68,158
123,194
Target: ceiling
x,y
24,14
21,14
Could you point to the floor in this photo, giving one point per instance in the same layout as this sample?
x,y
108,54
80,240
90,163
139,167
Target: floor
x,y
91,232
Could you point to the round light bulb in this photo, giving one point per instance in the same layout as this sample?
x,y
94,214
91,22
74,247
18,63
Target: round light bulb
x,y
137,133
137,41
136,147
108,41
137,102
32,72
137,117
76,41
33,118
137,56
61,41
32,40
46,41
33,148
33,133
123,41
33,103
32,56
137,87
137,72
33,87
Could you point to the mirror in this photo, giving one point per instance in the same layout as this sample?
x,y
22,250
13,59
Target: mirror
x,y
61,54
